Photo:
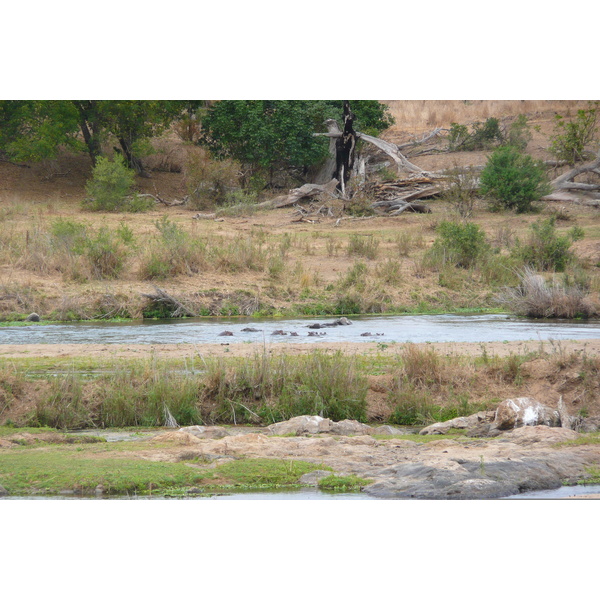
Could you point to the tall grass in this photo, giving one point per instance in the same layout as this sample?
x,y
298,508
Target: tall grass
x,y
262,389
535,297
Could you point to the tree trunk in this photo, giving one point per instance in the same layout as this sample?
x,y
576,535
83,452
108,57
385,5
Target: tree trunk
x,y
344,150
89,128
134,162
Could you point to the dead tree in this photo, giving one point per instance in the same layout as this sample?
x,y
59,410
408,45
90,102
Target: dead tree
x,y
345,146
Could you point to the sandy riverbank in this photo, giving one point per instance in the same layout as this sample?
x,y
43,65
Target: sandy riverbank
x,y
591,347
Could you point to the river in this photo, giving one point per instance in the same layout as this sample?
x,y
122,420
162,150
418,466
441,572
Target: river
x,y
384,329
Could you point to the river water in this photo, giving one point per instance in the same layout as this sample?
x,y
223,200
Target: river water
x,y
384,329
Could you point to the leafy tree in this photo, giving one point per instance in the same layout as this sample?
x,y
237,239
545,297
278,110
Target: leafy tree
x,y
36,130
33,130
271,135
513,180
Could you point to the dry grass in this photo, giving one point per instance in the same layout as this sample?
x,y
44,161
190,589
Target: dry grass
x,y
417,116
538,298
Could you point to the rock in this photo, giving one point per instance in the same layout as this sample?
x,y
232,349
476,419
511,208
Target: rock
x,y
483,430
350,427
210,433
517,412
540,434
314,477
473,480
459,423
33,317
3,491
300,425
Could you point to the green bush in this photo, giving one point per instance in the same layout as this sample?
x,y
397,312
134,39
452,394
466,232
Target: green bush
x,y
545,250
571,137
481,137
105,254
513,180
110,184
458,244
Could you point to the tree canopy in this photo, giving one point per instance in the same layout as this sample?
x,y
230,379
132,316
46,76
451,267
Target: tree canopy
x,y
278,134
266,135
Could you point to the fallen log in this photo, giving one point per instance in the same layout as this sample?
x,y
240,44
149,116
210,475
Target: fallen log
x,y
308,190
566,181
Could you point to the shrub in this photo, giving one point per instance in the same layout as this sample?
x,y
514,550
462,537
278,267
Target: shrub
x,y
105,254
461,245
513,180
536,298
571,137
209,181
363,245
461,191
545,249
110,184
482,136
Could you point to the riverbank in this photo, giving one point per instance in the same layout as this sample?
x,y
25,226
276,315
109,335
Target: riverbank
x,y
243,349
205,461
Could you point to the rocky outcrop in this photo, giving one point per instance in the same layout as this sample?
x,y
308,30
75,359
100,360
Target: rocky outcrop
x,y
207,433
315,424
517,412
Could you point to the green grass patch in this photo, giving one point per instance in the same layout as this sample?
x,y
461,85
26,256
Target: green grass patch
x,y
349,483
55,470
52,471
262,472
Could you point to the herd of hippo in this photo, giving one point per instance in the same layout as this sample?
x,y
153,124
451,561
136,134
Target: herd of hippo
x,y
336,323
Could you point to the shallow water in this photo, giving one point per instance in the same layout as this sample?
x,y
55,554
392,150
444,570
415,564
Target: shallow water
x,y
407,328
314,494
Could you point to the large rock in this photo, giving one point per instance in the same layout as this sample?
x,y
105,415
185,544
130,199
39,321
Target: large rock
x,y
300,425
517,412
464,479
459,423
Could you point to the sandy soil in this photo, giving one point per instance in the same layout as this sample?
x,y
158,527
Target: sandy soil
x,y
591,347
